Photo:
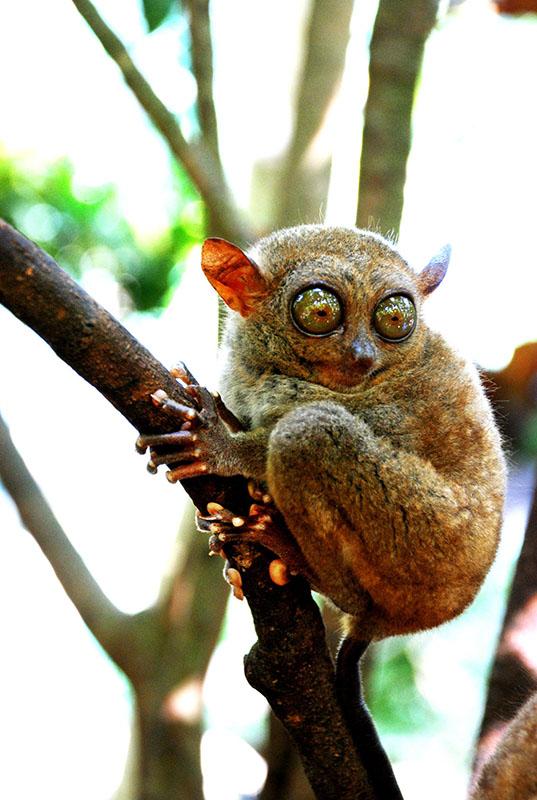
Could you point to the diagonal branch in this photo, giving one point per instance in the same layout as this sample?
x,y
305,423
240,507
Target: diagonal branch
x,y
104,620
197,160
91,341
291,666
291,647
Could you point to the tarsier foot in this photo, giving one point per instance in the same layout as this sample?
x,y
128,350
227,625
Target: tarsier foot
x,y
259,494
279,574
259,526
233,577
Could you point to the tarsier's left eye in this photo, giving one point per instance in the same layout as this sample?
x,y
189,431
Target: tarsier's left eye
x,y
395,317
316,311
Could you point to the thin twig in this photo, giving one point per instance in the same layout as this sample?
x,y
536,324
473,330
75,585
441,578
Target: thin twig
x,y
197,160
202,68
105,621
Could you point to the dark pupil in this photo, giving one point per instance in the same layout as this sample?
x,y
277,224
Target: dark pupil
x,y
316,311
395,317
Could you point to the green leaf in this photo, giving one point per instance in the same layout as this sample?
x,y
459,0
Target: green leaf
x,y
155,12
82,227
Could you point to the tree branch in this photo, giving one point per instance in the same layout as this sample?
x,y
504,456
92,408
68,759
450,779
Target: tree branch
x,y
197,160
324,60
202,68
396,53
290,663
104,620
513,677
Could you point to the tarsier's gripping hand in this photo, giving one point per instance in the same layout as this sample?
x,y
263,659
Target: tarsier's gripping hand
x,y
203,438
205,444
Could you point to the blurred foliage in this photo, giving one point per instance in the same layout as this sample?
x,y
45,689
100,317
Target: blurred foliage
x,y
156,11
405,710
81,227
513,393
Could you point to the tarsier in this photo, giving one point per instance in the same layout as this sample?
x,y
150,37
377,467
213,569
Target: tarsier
x,y
373,438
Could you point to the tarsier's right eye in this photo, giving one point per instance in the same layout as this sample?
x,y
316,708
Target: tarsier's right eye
x,y
316,311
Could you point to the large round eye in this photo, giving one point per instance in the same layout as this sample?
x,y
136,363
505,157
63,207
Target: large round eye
x,y
316,311
395,317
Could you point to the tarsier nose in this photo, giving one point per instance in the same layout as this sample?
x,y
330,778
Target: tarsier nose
x,y
363,353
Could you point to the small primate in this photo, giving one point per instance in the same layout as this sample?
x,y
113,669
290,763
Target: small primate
x,y
373,438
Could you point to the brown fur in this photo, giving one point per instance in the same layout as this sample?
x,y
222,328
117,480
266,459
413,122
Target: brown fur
x,y
391,477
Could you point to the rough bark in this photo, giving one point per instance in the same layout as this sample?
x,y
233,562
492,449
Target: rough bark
x,y
290,665
396,52
285,776
291,645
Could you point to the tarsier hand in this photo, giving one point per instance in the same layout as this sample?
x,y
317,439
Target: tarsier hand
x,y
196,447
201,446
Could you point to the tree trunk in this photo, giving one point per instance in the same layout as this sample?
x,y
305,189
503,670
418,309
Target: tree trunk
x,y
302,184
399,35
512,678
168,751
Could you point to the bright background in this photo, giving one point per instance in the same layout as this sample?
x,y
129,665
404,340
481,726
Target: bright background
x,y
64,729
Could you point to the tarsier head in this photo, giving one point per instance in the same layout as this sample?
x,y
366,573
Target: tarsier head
x,y
335,306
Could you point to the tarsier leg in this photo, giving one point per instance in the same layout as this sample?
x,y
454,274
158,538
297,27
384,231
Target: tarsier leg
x,y
259,526
393,537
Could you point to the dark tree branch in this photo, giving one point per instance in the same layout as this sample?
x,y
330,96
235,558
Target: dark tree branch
x,y
513,677
199,162
396,53
324,60
290,664
285,777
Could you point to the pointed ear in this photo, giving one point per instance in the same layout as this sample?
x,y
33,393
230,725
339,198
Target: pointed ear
x,y
433,274
235,277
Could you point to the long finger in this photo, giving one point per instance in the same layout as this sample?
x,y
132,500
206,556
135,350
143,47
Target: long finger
x,y
165,439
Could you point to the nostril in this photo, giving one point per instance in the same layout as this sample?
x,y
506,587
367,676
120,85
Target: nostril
x,y
363,363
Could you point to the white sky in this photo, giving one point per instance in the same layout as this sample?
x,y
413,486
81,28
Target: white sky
x,y
472,178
